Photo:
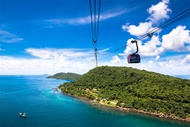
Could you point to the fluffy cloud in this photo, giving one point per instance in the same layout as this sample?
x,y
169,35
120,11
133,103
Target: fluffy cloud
x,y
141,29
8,37
159,12
48,61
176,39
115,59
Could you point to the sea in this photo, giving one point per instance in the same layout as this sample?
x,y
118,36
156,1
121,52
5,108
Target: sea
x,y
46,107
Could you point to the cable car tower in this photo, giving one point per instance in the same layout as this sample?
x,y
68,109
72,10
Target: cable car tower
x,y
95,16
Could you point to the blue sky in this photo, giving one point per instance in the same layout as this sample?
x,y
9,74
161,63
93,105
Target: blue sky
x,y
50,36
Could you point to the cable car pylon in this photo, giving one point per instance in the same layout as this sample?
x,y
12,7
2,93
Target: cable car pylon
x,y
96,58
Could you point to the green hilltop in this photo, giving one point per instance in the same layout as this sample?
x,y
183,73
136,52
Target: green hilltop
x,y
66,76
134,89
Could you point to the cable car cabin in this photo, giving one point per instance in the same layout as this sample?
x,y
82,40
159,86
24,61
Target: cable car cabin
x,y
134,58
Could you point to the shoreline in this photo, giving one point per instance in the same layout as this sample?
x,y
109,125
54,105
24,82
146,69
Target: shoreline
x,y
160,115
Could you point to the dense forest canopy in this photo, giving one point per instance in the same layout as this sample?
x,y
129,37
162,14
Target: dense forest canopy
x,y
133,88
66,76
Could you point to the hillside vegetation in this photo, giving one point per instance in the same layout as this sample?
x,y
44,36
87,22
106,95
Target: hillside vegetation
x,y
132,88
66,76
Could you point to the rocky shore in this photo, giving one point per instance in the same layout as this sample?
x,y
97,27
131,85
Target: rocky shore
x,y
161,115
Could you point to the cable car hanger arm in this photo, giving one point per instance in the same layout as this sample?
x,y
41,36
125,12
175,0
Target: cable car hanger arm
x,y
134,41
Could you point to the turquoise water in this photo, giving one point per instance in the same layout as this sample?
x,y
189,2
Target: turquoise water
x,y
46,107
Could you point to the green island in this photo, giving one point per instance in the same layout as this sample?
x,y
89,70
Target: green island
x,y
66,76
131,89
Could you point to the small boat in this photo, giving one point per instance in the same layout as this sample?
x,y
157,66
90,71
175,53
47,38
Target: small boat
x,y
22,114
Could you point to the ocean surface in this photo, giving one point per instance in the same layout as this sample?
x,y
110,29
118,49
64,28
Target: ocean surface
x,y
46,107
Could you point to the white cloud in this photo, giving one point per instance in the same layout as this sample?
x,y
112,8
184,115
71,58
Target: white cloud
x,y
8,37
159,12
173,66
49,61
85,20
176,39
139,30
115,59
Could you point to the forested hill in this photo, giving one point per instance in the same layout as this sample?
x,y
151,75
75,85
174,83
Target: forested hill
x,y
66,76
133,88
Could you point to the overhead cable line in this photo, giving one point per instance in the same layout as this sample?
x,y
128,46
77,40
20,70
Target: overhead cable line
x,y
120,48
95,17
175,19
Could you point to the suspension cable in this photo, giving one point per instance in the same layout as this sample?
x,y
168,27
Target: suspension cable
x,y
95,19
176,18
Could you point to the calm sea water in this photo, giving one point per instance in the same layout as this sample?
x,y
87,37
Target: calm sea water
x,y
46,107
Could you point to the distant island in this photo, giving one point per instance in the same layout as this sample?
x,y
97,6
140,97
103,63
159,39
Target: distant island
x,y
66,76
131,89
